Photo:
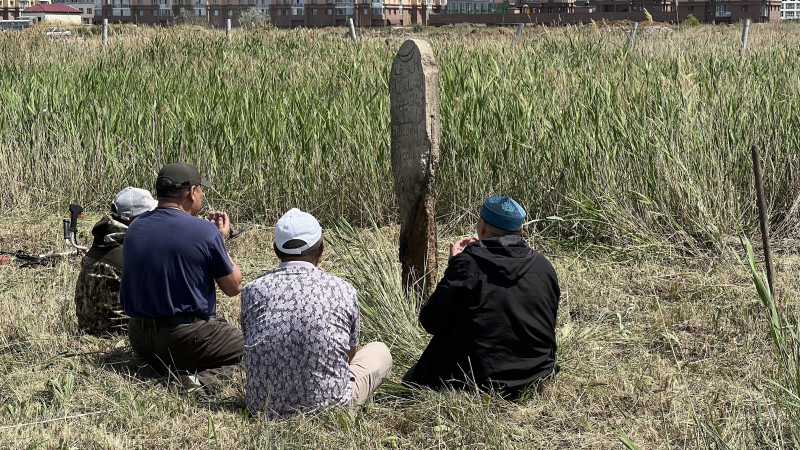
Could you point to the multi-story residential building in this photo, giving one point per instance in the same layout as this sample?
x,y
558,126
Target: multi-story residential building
x,y
219,11
790,10
9,9
86,7
149,12
164,12
582,11
729,11
375,13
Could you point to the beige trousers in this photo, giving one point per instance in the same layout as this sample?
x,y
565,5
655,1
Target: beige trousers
x,y
369,367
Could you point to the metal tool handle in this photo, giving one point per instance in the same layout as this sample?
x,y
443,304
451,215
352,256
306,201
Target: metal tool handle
x,y
75,211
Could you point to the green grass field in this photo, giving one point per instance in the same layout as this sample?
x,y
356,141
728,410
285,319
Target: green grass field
x,y
635,168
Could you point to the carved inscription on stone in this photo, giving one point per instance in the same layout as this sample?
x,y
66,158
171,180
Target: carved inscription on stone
x,y
414,95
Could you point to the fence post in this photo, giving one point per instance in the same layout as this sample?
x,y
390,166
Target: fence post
x,y
228,29
632,36
745,31
352,28
105,34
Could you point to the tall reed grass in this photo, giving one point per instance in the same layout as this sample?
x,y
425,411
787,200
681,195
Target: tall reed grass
x,y
603,145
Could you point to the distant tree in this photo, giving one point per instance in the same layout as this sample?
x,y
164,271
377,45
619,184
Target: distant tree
x,y
254,19
187,17
691,21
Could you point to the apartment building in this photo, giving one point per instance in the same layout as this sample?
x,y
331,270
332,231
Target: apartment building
x,y
730,11
583,11
147,12
9,9
219,11
790,10
164,12
328,13
86,7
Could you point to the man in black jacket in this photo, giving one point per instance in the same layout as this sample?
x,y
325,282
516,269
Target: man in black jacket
x,y
493,315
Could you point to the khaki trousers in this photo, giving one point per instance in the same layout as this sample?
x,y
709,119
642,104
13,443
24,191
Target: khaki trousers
x,y
369,367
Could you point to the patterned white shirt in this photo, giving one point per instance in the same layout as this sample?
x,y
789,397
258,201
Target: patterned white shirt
x,y
299,322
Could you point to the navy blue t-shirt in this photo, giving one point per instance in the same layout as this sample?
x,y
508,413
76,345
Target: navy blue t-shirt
x,y
169,263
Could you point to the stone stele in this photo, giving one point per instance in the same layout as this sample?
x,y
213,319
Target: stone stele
x,y
414,95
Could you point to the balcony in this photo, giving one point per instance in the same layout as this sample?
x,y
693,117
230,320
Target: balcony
x,y
345,8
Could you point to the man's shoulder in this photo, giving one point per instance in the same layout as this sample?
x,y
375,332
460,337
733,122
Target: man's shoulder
x,y
174,224
276,278
91,266
311,276
264,279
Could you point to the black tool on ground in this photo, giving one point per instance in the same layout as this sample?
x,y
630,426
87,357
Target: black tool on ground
x,y
70,228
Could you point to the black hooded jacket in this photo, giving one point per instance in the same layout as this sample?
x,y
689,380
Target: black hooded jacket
x,y
492,317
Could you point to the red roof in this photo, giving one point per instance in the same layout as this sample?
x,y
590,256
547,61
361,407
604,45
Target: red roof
x,y
58,8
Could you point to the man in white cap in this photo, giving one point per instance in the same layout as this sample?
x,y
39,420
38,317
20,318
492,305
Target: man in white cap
x,y
97,303
301,328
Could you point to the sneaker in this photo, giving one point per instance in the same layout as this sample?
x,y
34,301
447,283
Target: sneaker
x,y
191,382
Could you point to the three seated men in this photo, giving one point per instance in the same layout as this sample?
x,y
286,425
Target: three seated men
x,y
492,316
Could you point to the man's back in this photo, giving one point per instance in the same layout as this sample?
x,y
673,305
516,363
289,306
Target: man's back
x,y
170,262
299,323
493,314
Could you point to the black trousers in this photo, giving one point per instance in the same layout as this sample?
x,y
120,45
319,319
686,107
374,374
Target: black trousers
x,y
208,347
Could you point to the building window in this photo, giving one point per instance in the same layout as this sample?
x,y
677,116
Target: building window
x,y
216,12
723,10
329,11
764,11
377,11
691,9
313,12
744,8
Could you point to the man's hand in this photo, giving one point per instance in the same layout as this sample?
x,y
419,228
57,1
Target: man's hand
x,y
458,247
220,219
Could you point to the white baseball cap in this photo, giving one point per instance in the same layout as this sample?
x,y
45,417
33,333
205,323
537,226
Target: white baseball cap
x,y
132,202
297,225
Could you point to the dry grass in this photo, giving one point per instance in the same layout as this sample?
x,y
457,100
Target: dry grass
x,y
656,347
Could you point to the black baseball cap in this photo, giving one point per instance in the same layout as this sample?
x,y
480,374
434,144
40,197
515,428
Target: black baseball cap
x,y
180,175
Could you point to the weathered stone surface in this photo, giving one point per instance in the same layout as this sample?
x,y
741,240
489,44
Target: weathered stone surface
x,y
414,95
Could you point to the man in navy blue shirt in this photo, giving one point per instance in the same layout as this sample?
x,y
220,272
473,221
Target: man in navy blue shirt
x,y
172,263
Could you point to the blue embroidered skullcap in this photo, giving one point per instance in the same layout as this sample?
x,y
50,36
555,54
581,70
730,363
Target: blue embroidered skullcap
x,y
503,213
